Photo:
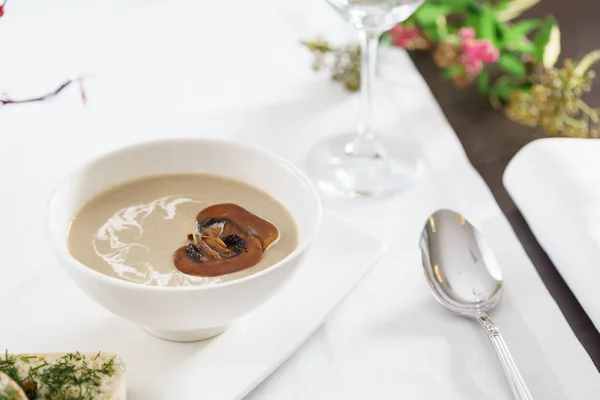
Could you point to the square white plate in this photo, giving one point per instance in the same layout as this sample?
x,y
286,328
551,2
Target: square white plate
x,y
555,183
48,313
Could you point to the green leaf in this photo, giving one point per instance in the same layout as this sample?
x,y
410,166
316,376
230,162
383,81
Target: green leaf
x,y
487,25
432,33
317,46
512,65
524,27
501,5
429,12
503,90
524,46
472,21
474,8
543,37
412,20
453,71
483,81
502,35
459,5
515,37
385,39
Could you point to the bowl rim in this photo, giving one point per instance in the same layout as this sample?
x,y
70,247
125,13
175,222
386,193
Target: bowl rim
x,y
92,273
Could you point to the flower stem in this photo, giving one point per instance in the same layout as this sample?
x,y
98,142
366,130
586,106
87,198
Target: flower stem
x,y
590,112
586,62
55,92
515,8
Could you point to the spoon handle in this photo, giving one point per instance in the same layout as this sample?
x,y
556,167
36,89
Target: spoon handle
x,y
515,380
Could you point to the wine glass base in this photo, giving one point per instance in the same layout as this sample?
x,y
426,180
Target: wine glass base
x,y
389,166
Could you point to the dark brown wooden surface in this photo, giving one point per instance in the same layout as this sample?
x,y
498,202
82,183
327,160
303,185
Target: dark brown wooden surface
x,y
491,140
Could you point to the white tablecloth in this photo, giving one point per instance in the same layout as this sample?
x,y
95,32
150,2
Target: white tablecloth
x,y
235,69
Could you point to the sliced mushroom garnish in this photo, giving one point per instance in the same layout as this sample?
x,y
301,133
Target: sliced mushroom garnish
x,y
205,249
229,239
219,246
246,222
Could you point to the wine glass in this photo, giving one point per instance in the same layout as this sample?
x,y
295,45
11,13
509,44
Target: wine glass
x,y
363,163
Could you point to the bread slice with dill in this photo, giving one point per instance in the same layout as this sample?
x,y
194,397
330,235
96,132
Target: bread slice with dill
x,y
67,376
9,389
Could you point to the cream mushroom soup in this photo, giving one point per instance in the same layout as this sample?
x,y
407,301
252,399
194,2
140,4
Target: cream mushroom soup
x,y
181,230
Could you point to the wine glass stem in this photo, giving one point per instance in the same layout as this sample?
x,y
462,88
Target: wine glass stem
x,y
364,145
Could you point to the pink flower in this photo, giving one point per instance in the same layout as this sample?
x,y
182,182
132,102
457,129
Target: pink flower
x,y
466,33
475,53
1,10
483,50
405,36
473,67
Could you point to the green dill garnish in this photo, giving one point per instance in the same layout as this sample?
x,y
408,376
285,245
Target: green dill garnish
x,y
26,359
67,378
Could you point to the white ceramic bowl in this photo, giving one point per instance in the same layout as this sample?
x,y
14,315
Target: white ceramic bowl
x,y
185,313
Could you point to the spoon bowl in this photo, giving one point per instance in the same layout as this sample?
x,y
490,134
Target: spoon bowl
x,y
465,278
459,265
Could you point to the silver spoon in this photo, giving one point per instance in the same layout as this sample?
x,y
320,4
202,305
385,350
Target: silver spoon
x,y
466,279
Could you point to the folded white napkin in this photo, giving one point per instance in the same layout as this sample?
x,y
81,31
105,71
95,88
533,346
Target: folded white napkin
x,y
556,185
